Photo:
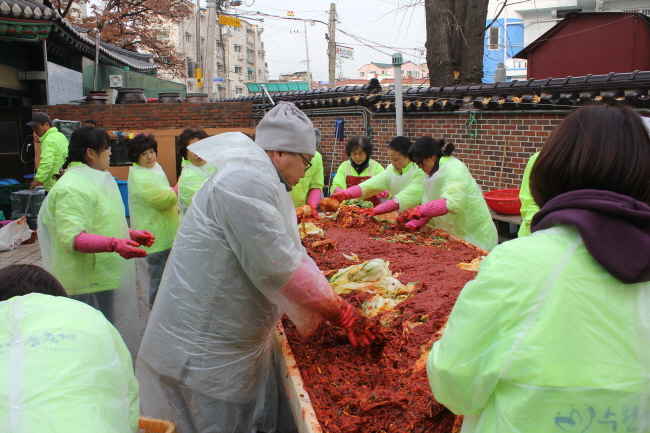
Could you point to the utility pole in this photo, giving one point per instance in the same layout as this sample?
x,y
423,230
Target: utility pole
x,y
307,52
209,47
199,62
332,45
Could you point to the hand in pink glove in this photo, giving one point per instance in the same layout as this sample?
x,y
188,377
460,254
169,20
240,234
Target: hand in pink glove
x,y
416,224
347,194
386,207
91,243
142,237
355,325
175,189
313,197
383,194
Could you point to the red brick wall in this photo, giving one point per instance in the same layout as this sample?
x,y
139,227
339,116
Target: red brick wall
x,y
157,116
524,134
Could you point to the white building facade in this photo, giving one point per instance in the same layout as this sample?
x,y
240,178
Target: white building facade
x,y
239,56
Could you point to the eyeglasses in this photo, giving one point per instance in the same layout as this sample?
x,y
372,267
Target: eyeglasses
x,y
308,166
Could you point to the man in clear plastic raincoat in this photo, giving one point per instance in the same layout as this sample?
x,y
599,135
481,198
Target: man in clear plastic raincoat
x,y
236,266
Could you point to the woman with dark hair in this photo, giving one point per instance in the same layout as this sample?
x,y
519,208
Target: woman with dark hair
x,y
452,199
196,171
152,205
65,368
81,219
402,179
553,333
358,168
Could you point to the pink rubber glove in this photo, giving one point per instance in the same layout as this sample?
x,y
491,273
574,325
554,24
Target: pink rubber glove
x,y
434,208
386,207
416,224
313,197
90,243
352,192
142,237
383,194
175,189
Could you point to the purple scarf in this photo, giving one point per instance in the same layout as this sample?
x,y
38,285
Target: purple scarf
x,y
615,229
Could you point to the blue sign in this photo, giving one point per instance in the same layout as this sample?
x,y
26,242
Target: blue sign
x,y
217,80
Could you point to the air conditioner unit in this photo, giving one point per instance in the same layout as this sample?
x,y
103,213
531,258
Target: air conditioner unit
x,y
240,56
115,80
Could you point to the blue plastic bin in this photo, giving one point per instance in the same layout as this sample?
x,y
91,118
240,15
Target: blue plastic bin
x,y
123,185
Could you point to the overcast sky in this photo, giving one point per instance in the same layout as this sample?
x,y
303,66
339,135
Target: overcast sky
x,y
383,22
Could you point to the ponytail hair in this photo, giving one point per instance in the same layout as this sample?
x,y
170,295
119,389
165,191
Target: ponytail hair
x,y
426,147
86,137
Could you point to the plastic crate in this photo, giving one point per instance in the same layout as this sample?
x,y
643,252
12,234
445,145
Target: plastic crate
x,y
151,425
5,196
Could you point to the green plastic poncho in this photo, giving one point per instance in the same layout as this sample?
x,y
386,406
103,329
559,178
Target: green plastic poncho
x,y
63,368
469,217
54,150
313,180
153,205
192,178
88,200
405,188
345,170
546,340
528,206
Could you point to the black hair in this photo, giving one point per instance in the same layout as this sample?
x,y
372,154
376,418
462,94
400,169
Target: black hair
x,y
19,280
86,137
426,147
400,144
596,147
142,142
91,121
186,136
359,141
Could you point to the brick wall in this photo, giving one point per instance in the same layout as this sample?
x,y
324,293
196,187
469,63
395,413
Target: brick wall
x,y
519,135
157,116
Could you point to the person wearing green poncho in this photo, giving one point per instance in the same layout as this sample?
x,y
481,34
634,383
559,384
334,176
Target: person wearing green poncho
x,y
152,204
528,206
552,335
196,171
402,179
452,199
358,168
54,148
80,222
308,190
64,366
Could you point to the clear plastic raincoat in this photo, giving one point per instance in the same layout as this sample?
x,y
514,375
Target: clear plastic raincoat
x,y
63,368
192,178
546,340
528,206
206,357
153,205
469,217
313,180
86,200
405,188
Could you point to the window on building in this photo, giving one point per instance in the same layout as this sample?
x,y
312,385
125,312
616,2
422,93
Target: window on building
x,y
238,69
218,43
239,90
163,34
237,48
259,72
220,67
361,74
417,74
373,72
494,38
188,37
238,29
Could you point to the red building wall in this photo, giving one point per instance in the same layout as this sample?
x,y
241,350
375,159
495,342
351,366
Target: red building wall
x,y
593,43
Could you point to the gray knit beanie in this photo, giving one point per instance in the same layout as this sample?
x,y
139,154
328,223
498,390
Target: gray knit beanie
x,y
285,128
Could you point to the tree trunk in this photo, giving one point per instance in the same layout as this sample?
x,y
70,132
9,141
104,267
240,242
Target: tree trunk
x,y
455,41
